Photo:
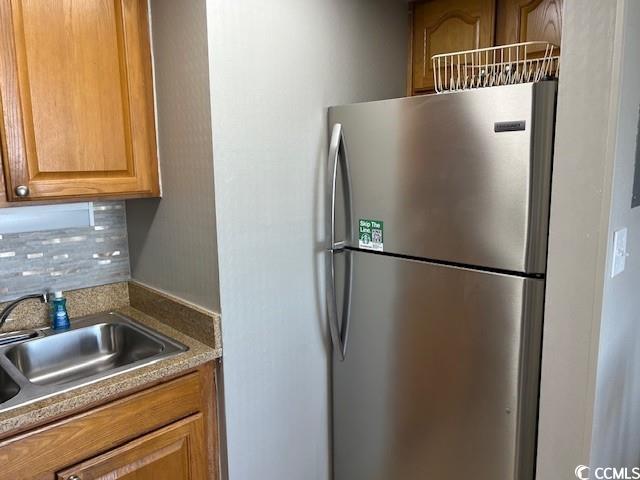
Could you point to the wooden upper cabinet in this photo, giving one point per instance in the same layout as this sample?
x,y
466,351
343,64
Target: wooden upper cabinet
x,y
528,20
442,26
77,99
176,452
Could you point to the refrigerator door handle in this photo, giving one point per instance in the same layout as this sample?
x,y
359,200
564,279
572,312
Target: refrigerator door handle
x,y
339,330
337,152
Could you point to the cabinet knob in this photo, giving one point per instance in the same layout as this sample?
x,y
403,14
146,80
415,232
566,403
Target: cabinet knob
x,y
22,190
74,477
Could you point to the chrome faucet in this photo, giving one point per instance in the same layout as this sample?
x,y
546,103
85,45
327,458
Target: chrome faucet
x,y
6,311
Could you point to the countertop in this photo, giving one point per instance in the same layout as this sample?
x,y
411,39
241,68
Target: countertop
x,y
39,412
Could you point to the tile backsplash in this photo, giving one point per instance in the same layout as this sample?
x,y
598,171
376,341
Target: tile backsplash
x,y
66,259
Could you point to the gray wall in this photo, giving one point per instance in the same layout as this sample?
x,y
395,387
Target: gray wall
x,y
173,240
579,234
275,68
616,422
66,259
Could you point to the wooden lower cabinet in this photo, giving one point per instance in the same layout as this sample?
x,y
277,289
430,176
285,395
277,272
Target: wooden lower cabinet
x,y
176,452
168,431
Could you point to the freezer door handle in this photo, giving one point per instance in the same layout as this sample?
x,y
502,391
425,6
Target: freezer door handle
x,y
338,160
339,329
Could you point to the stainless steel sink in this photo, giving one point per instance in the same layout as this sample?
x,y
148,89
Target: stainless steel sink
x,y
94,348
8,387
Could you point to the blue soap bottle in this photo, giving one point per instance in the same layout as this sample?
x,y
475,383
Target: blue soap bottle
x,y
59,315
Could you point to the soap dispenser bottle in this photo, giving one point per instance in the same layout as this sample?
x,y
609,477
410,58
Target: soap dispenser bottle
x,y
59,315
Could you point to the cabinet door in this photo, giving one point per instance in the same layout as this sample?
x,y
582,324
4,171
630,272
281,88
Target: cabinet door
x,y
77,99
443,26
528,20
176,452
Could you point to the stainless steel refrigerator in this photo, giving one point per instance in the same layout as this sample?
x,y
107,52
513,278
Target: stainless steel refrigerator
x,y
439,210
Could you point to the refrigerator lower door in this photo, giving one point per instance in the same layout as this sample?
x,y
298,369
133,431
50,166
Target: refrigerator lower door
x,y
440,377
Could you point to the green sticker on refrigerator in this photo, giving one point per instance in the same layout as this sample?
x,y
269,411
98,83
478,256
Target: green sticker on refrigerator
x,y
371,234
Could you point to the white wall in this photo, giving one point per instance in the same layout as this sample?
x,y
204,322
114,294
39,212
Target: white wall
x,y
590,385
275,68
578,233
616,423
172,241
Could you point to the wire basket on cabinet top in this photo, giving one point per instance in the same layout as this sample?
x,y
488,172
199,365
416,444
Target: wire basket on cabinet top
x,y
493,66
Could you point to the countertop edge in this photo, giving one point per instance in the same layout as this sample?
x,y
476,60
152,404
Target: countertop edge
x,y
67,403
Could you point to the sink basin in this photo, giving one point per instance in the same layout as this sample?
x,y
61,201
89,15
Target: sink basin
x,y
82,353
8,388
94,348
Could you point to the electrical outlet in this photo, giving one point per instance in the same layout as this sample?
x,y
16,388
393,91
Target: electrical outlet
x,y
619,252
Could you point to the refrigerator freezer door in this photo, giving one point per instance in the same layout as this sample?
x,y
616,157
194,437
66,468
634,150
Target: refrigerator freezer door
x,y
440,375
461,177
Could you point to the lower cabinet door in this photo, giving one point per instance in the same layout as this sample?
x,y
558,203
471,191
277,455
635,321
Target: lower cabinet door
x,y
175,452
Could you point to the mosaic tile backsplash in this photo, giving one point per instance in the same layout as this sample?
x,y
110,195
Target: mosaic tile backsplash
x,y
66,259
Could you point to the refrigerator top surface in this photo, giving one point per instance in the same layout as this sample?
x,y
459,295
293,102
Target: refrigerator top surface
x,y
461,177
462,93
